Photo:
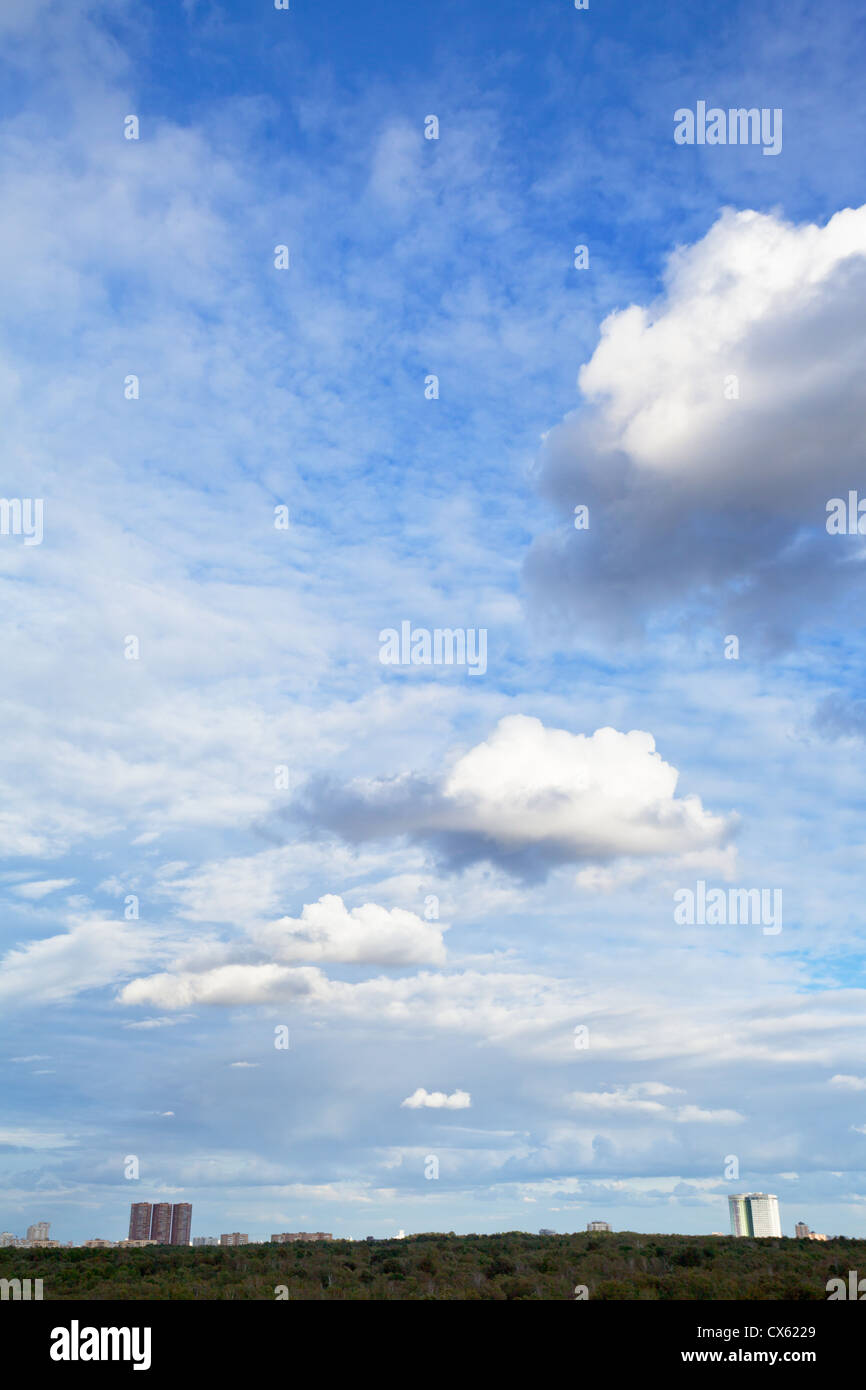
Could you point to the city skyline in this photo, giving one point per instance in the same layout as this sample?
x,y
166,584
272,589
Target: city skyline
x,y
752,1215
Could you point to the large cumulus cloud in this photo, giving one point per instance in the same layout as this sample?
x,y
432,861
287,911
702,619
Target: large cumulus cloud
x,y
714,427
531,797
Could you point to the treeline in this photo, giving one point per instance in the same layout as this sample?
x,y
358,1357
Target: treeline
x,y
513,1266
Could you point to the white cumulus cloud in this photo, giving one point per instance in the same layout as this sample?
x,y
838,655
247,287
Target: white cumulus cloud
x,y
437,1100
531,797
329,931
714,426
608,793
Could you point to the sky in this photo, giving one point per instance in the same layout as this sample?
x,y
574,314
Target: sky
x,y
321,940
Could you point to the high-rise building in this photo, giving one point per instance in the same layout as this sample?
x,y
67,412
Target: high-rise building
x,y
39,1230
234,1238
181,1219
160,1223
765,1214
741,1220
139,1221
7,1239
755,1214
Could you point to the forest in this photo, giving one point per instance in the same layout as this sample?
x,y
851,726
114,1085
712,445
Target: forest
x,y
435,1266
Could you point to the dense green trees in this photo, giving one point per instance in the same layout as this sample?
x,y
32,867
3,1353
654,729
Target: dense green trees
x,y
510,1267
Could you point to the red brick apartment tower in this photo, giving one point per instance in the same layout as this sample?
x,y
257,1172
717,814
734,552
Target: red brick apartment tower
x,y
181,1220
139,1221
160,1225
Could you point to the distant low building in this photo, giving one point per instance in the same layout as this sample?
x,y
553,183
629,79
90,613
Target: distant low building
x,y
7,1239
234,1238
285,1237
205,1240
98,1244
598,1226
134,1244
546,1232
802,1232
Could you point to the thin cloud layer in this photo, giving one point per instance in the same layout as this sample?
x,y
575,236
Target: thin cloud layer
x,y
93,953
227,984
638,1101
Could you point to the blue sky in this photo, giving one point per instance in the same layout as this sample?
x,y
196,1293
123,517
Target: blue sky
x,y
550,853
